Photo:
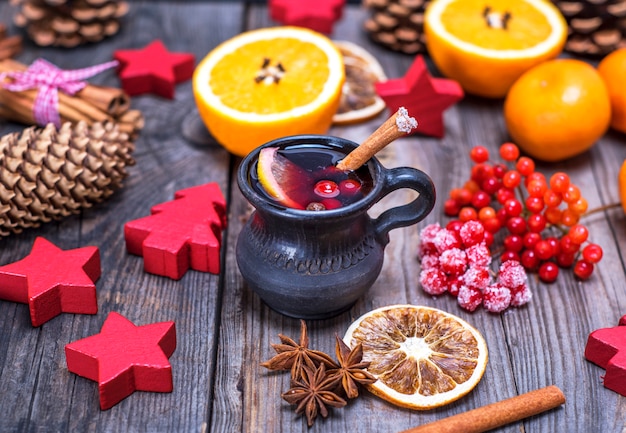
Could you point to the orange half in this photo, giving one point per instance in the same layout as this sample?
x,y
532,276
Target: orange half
x,y
268,83
486,46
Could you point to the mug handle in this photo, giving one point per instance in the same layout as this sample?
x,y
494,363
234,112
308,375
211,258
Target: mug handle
x,y
410,213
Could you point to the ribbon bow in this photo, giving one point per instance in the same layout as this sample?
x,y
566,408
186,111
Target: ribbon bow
x,y
48,78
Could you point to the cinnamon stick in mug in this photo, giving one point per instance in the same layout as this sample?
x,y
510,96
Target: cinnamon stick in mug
x,y
399,124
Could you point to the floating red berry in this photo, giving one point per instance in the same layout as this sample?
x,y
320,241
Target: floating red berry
x,y
326,189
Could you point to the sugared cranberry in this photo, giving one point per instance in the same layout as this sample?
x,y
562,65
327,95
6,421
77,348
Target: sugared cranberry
x,y
496,298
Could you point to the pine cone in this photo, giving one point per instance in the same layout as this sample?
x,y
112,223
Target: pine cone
x,y
68,23
397,24
596,27
47,174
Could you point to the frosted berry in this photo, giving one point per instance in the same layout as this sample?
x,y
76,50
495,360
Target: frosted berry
x,y
430,261
472,233
434,281
477,277
469,298
453,261
496,298
520,295
445,240
427,239
454,284
478,255
512,274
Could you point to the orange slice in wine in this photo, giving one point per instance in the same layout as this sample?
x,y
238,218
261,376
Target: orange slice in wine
x,y
280,177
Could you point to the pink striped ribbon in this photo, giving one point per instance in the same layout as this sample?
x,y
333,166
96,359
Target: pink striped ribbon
x,y
48,78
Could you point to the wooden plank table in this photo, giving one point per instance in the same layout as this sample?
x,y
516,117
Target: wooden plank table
x,y
224,331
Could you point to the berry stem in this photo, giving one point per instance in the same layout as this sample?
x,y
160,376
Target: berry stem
x,y
601,209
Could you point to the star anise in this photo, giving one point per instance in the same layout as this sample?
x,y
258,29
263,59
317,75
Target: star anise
x,y
294,356
351,371
313,393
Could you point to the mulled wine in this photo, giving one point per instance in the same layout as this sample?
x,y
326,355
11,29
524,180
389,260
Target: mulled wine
x,y
304,176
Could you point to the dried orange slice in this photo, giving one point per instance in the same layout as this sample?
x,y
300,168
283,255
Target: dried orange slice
x,y
486,46
422,357
268,83
359,100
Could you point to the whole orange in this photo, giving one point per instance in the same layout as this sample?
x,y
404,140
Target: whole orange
x,y
557,109
613,70
621,182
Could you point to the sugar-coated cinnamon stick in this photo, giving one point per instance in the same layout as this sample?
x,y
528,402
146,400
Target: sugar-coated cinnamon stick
x,y
399,124
497,414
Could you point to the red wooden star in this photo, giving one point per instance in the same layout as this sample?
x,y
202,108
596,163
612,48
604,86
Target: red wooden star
x,y
318,15
182,233
425,97
53,281
607,348
153,69
124,358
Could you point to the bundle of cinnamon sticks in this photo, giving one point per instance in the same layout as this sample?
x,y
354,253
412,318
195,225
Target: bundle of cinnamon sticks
x,y
9,45
91,104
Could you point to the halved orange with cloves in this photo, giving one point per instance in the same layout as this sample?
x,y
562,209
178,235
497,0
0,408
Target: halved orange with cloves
x,y
486,45
268,83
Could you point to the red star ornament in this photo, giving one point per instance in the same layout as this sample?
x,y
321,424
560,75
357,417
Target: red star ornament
x,y
607,348
318,15
180,234
153,69
53,281
425,97
124,358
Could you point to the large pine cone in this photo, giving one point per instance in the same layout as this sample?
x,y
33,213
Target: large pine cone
x,y
596,27
47,174
68,23
397,24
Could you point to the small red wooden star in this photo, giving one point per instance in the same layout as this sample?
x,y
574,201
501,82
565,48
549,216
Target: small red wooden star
x,y
607,348
153,69
425,97
180,234
124,358
318,15
53,281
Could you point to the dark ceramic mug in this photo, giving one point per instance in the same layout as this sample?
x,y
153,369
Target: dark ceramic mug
x,y
317,264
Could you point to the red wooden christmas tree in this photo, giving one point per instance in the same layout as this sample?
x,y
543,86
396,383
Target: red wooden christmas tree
x,y
181,234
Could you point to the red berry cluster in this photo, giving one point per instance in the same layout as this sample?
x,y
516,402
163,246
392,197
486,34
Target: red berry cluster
x,y
456,260
541,216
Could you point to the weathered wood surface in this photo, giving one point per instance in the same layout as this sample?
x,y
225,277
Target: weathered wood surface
x,y
224,331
